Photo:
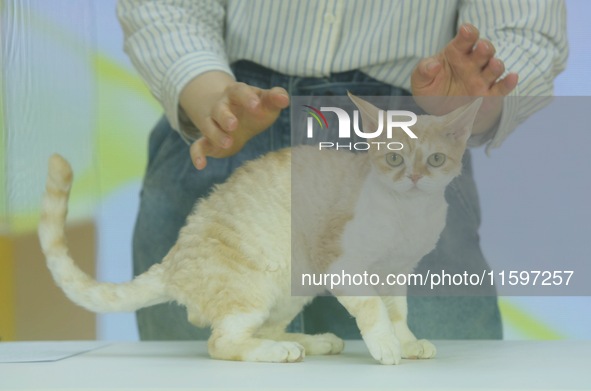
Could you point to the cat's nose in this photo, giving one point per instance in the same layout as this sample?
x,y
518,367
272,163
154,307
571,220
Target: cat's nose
x,y
415,178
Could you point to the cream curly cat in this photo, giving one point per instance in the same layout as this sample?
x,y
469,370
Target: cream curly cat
x,y
231,266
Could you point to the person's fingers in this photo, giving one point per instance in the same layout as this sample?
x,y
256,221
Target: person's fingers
x,y
243,95
425,72
198,151
224,118
275,98
212,132
492,71
504,86
465,39
482,53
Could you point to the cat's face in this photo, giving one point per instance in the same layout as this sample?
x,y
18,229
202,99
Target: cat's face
x,y
430,162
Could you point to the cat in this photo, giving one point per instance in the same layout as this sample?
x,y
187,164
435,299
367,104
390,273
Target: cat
x,y
231,265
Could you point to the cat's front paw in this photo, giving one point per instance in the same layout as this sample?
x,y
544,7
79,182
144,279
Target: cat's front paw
x,y
324,344
418,349
384,347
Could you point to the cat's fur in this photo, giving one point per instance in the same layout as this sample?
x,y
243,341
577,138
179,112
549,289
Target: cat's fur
x,y
231,266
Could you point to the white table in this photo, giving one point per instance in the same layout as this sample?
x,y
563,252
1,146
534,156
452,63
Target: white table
x,y
459,365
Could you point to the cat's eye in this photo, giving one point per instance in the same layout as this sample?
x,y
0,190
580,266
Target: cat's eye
x,y
436,160
394,159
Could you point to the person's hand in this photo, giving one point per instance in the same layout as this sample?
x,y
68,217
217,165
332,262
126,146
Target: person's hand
x,y
228,113
465,67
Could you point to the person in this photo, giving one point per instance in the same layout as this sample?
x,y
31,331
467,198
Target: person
x,y
224,73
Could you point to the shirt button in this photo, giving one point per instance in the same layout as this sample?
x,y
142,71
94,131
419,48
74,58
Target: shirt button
x,y
329,18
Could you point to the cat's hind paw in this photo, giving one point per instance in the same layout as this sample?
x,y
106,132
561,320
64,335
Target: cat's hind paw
x,y
272,351
418,349
324,344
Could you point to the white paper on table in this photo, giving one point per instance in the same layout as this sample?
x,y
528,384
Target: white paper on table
x,y
20,352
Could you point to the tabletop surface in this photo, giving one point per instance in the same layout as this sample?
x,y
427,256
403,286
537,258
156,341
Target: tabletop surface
x,y
468,365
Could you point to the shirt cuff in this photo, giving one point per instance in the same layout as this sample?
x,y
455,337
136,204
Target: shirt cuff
x,y
180,74
494,137
508,121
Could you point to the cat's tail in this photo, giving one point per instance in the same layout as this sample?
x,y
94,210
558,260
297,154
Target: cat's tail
x,y
145,290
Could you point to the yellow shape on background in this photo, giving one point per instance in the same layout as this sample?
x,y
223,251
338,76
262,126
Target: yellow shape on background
x,y
525,323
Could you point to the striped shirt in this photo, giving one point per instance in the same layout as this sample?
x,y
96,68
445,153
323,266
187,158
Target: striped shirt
x,y
171,42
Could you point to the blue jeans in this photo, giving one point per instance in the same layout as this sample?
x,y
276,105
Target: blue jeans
x,y
172,185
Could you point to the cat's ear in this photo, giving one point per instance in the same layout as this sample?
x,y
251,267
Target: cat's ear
x,y
369,113
459,123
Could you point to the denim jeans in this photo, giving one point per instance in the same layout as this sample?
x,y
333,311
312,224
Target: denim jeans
x,y
172,185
